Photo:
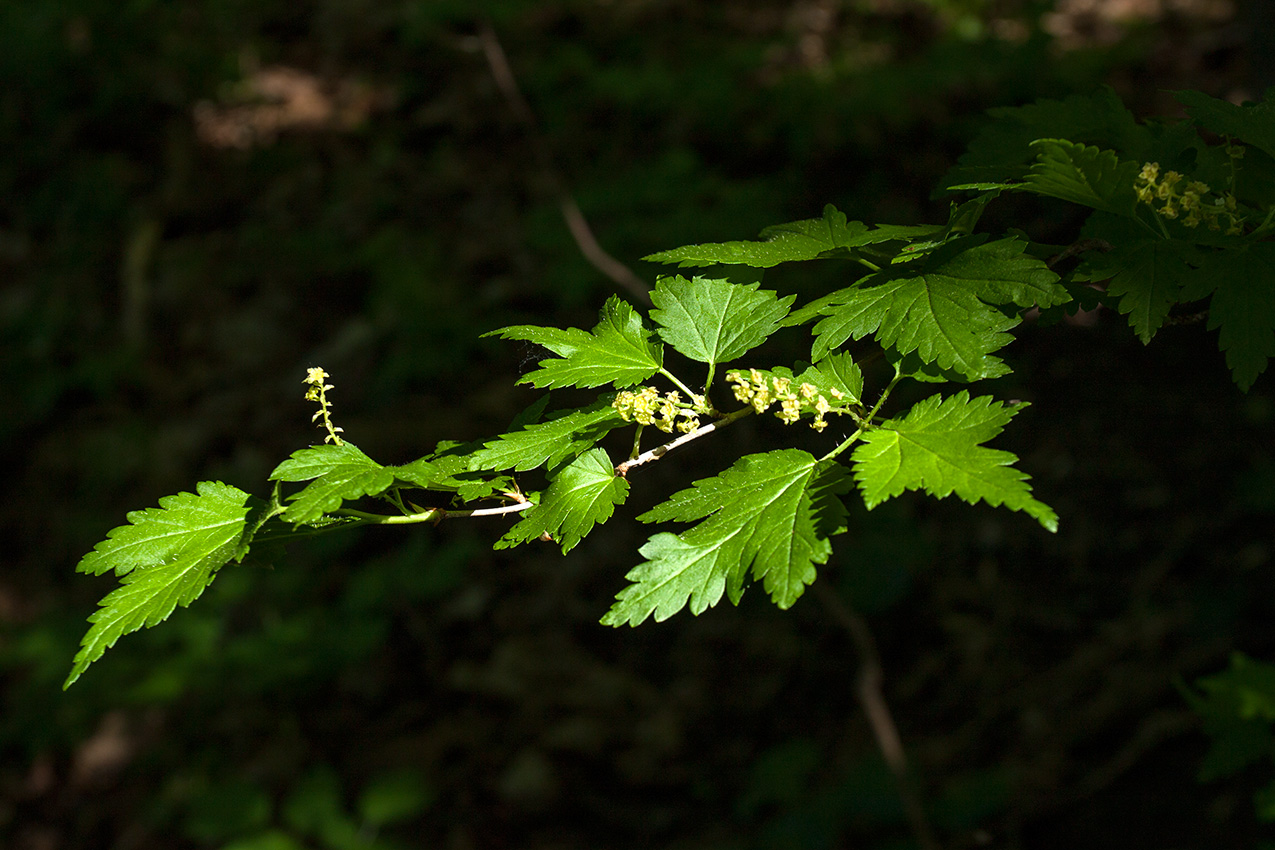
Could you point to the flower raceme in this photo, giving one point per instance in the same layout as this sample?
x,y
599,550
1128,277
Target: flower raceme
x,y
317,390
1191,202
666,412
795,400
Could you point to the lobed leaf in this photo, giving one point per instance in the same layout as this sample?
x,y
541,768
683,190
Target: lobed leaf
x,y
1237,708
769,515
166,556
944,308
1145,277
339,473
619,351
427,474
1251,123
1240,283
1001,155
677,573
714,321
580,495
836,371
158,535
810,239
315,461
1083,175
937,447
566,437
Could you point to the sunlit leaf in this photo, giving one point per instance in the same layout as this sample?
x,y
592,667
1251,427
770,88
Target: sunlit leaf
x,y
937,446
581,495
768,516
714,321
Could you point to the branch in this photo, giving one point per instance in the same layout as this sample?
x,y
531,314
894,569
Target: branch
x,y
437,515
872,700
1078,247
660,451
434,515
577,224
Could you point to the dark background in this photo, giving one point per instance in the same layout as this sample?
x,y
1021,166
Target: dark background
x,y
198,200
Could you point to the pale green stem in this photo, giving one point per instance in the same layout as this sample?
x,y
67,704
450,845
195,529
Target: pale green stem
x,y
853,438
692,395
637,441
396,498
1266,223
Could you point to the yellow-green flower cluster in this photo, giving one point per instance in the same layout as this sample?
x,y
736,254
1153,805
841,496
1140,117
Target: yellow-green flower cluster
x,y
1191,201
317,390
648,407
763,390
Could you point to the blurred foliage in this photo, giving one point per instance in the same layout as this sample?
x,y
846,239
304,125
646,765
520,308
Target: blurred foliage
x,y
169,273
1238,709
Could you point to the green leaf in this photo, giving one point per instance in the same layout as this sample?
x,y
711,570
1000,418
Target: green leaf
x,y
714,321
166,556
271,839
1083,175
315,807
937,447
809,239
581,495
1237,709
1241,283
1146,276
339,472
619,351
912,367
447,474
836,371
566,437
817,308
157,535
944,307
676,573
769,514
316,461
1001,155
395,797
425,473
1251,123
